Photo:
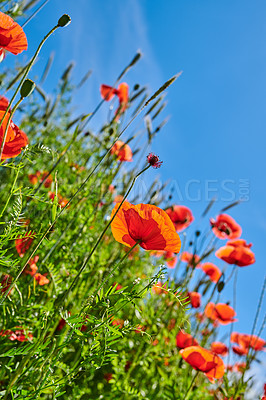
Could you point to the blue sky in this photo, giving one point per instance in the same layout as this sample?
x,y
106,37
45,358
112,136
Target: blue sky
x,y
214,142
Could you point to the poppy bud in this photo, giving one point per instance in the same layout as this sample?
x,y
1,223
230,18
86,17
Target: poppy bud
x,y
190,243
220,286
197,233
136,86
64,20
154,161
27,88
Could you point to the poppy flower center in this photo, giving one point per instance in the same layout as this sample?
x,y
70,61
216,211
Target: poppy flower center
x,y
224,227
5,40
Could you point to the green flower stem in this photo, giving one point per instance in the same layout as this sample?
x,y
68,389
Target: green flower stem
x,y
11,191
28,70
7,126
116,266
191,385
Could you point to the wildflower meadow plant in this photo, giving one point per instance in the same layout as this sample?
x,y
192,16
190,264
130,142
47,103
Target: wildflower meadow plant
x,y
100,297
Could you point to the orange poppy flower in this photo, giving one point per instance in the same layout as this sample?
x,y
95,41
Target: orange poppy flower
x,y
225,227
240,351
237,252
191,259
220,312
12,36
40,176
23,243
145,223
184,340
195,299
169,256
41,279
212,271
107,93
16,139
62,201
140,329
181,217
32,266
205,361
122,151
245,341
118,322
159,288
219,348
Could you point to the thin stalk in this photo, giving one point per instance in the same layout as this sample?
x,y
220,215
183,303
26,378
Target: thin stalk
x,y
100,238
116,266
11,192
191,385
234,307
35,13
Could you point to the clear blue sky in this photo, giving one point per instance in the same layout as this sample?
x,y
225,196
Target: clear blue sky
x,y
216,133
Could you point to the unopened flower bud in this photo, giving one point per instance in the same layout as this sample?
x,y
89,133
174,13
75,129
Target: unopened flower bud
x,y
64,20
27,88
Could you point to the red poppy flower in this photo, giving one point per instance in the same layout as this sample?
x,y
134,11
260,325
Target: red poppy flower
x,y
107,93
16,139
33,178
140,328
154,161
117,286
41,279
205,361
32,266
61,324
264,397
145,223
62,201
225,227
237,252
245,341
12,36
220,312
212,271
20,335
169,256
191,259
108,376
240,367
39,177
24,243
219,348
122,151
181,217
118,322
159,288
195,299
184,339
